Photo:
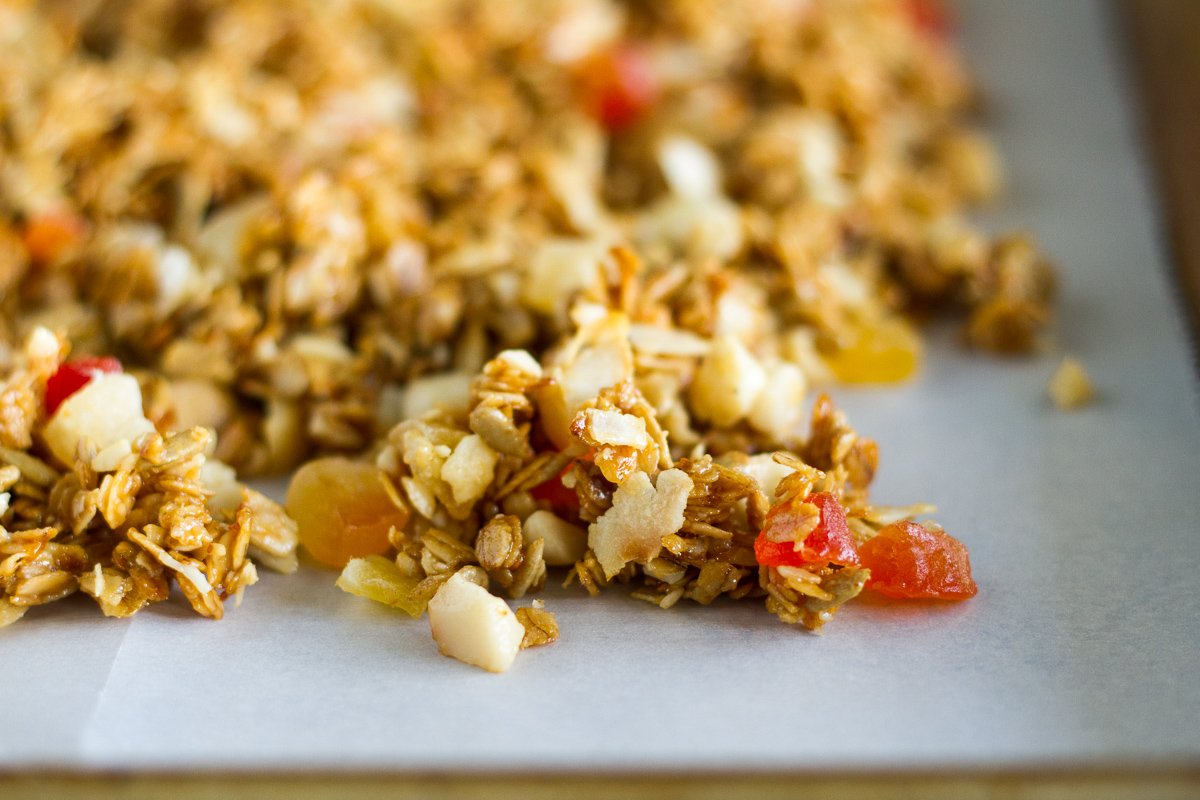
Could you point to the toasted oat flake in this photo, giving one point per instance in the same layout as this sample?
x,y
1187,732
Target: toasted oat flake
x,y
541,627
10,613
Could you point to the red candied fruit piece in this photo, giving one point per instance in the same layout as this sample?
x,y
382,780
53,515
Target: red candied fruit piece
x,y
73,376
930,17
563,501
618,87
828,543
909,560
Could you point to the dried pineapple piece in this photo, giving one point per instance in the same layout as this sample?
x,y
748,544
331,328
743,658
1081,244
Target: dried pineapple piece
x,y
379,579
887,352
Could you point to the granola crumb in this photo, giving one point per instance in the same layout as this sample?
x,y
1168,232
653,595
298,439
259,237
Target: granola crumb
x,y
541,627
1071,387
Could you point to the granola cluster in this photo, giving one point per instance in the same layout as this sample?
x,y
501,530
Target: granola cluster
x,y
567,462
119,519
288,211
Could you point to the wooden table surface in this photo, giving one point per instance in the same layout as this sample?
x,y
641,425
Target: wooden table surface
x,y
1164,58
1164,50
1158,785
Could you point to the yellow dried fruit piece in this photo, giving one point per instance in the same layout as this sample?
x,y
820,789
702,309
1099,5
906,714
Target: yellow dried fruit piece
x,y
379,579
343,510
888,352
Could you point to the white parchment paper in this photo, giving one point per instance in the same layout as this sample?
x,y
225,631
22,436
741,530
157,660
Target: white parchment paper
x,y
1081,647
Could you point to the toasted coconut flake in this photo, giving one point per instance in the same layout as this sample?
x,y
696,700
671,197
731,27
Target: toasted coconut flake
x,y
641,515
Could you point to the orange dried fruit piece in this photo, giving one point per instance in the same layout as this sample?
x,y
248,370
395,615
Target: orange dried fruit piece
x,y
909,560
50,234
886,352
379,579
619,87
343,510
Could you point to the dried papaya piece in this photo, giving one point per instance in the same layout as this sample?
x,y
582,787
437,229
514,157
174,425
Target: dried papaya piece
x,y
803,532
908,560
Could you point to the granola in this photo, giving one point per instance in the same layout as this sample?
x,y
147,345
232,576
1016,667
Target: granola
x,y
783,517
556,275
304,221
85,507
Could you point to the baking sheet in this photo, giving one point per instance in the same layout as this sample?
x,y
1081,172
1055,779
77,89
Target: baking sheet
x,y
1080,648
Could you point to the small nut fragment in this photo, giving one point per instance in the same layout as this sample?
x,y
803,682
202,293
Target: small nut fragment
x,y
540,626
498,545
470,469
473,626
564,543
728,383
1070,387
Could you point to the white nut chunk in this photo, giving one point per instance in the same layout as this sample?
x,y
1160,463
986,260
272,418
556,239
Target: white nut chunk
x,y
521,361
221,479
763,468
563,543
449,392
473,626
470,468
779,406
641,515
597,357
728,383
107,410
558,269
689,168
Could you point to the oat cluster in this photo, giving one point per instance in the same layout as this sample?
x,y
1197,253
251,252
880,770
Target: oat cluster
x,y
491,501
121,520
300,219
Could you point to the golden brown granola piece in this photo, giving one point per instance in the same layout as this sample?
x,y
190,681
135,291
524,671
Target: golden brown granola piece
x,y
540,626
